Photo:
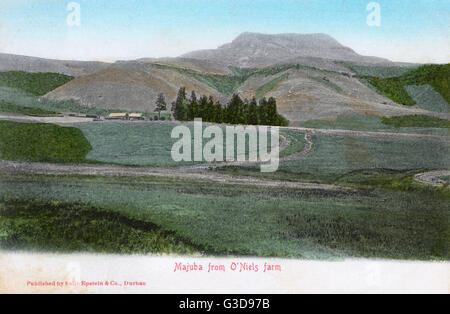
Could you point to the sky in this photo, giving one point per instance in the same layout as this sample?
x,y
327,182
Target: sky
x,y
110,30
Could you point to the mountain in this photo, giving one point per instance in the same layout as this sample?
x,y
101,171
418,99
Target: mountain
x,y
309,75
9,62
259,50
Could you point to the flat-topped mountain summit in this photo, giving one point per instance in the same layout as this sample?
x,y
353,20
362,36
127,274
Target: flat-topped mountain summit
x,y
256,50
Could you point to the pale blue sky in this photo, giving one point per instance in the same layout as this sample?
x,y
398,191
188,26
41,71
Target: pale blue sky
x,y
415,31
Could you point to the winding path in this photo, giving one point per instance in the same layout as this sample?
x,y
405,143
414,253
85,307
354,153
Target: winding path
x,y
10,167
433,178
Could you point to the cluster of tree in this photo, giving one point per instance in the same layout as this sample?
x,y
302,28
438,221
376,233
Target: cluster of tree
x,y
237,111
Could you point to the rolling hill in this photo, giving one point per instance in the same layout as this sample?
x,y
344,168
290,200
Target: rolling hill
x,y
9,62
311,76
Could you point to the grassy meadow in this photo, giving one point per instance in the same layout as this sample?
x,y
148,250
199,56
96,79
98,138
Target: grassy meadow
x,y
335,157
164,215
12,108
140,144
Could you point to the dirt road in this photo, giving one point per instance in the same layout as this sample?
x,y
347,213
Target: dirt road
x,y
433,178
10,167
367,133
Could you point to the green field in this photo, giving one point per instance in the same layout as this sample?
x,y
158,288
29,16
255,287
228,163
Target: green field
x,y
335,157
140,144
37,84
220,219
42,143
12,108
63,227
389,216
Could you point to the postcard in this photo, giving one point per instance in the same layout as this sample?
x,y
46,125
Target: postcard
x,y
207,147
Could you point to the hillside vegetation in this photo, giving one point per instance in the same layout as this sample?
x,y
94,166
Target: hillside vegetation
x,y
142,215
436,76
37,84
76,228
38,142
227,84
416,121
378,71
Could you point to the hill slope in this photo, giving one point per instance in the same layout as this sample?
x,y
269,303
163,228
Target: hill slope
x,y
10,62
130,85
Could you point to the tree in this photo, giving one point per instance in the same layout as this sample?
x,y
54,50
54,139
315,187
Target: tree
x,y
271,112
180,107
203,108
218,113
253,114
210,110
263,111
234,111
160,104
192,111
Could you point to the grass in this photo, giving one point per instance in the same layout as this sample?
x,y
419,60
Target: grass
x,y
417,121
359,122
37,142
427,98
12,108
227,84
66,227
141,144
37,84
446,179
297,143
224,220
327,83
436,76
335,156
378,71
264,89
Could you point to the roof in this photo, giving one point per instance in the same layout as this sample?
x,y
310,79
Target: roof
x,y
117,115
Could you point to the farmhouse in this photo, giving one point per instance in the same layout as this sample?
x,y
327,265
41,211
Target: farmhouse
x,y
125,116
